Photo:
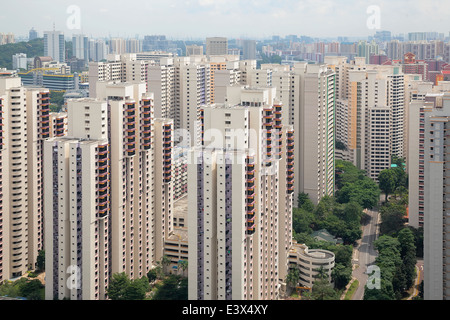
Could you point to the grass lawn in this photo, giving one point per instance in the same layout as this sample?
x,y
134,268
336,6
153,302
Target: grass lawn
x,y
351,290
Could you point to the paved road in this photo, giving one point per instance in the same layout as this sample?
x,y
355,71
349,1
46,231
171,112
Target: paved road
x,y
419,279
365,253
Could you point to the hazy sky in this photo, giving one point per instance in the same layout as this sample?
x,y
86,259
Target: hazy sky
x,y
230,18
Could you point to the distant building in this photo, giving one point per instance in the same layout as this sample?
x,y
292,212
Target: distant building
x,y
194,50
33,34
20,61
412,66
98,50
379,59
216,46
80,47
158,43
382,36
55,45
7,38
249,49
39,62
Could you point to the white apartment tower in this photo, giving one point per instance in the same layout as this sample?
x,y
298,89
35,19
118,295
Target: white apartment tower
x,y
424,97
216,46
80,45
55,45
378,152
436,202
314,125
163,182
362,87
126,197
24,126
308,95
130,119
240,203
78,205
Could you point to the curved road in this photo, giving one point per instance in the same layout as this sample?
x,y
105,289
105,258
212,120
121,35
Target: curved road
x,y
364,254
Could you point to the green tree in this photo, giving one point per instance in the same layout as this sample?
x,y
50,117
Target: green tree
x,y
118,286
304,202
302,221
183,265
408,254
392,218
137,289
389,261
388,181
57,98
173,287
165,262
293,277
31,48
40,261
341,275
323,290
32,290
152,275
351,212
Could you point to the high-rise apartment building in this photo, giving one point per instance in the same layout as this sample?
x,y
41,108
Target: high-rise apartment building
x,y
423,99
117,46
436,203
161,81
378,130
130,117
80,47
249,49
163,182
308,95
78,205
194,50
128,185
33,34
314,125
361,87
25,125
194,83
239,210
55,45
98,50
216,46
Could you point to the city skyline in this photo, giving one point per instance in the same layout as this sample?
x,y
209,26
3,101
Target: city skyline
x,y
184,19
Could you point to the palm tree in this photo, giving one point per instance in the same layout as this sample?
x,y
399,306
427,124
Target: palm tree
x,y
293,277
322,274
183,265
165,261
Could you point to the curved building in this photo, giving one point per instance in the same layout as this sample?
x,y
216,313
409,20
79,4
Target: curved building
x,y
309,262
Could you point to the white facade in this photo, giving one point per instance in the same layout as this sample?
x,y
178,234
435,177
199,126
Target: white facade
x,y
436,203
54,45
239,226
24,127
20,61
216,46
